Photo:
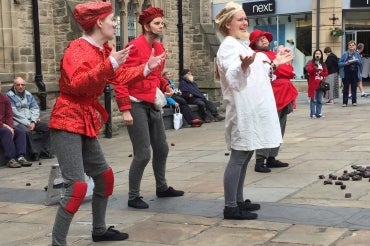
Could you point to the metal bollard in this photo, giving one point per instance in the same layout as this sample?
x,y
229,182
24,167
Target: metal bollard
x,y
108,108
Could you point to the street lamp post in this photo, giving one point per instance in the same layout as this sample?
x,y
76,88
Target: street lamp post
x,y
180,27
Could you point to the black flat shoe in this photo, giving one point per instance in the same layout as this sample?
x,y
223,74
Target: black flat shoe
x,y
110,235
276,163
170,192
235,213
137,203
247,205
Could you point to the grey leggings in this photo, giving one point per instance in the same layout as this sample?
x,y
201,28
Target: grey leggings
x,y
78,154
147,133
234,176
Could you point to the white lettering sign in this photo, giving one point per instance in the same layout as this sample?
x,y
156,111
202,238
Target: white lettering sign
x,y
261,8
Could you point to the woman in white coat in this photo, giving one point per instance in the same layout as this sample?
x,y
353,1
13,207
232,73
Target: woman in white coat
x,y
251,119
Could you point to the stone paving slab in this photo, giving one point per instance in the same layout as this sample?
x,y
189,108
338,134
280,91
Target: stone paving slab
x,y
297,209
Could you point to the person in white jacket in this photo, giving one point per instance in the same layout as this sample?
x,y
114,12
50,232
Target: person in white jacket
x,y
251,119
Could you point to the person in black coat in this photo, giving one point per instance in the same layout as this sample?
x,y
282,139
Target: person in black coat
x,y
192,94
333,77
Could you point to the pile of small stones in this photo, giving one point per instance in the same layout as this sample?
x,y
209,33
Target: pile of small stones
x,y
358,173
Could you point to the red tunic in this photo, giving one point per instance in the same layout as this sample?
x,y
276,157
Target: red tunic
x,y
85,70
284,90
315,77
6,112
146,88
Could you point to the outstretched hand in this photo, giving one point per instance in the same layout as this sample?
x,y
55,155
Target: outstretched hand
x,y
155,61
121,55
246,61
283,55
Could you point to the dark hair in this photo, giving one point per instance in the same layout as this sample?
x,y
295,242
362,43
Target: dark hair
x,y
321,61
184,72
327,50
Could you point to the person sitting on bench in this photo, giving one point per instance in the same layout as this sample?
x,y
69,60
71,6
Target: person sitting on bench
x,y
26,114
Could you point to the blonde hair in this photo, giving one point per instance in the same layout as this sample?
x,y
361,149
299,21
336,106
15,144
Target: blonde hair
x,y
226,15
351,42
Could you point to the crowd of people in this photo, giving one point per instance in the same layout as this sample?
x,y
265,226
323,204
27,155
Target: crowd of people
x,y
347,69
254,125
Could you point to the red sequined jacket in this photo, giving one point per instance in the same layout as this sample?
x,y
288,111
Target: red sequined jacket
x,y
85,70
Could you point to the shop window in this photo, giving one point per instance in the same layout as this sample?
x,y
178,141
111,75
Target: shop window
x,y
131,19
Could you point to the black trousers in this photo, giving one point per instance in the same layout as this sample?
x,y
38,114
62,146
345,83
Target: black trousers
x,y
41,128
184,108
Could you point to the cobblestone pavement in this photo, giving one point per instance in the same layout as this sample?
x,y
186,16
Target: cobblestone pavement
x,y
296,207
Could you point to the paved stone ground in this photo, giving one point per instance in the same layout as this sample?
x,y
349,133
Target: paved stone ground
x,y
297,209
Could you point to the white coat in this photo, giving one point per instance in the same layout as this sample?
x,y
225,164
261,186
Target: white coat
x,y
251,117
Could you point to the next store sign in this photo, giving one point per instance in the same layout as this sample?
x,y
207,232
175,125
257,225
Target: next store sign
x,y
259,8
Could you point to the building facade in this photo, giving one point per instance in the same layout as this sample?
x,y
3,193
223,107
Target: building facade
x,y
32,47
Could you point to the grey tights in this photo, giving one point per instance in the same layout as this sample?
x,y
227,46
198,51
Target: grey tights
x,y
234,176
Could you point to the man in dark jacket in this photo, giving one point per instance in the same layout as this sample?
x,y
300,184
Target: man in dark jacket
x,y
193,95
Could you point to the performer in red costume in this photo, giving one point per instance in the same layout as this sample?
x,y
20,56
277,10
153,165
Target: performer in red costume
x,y
86,67
140,114
285,95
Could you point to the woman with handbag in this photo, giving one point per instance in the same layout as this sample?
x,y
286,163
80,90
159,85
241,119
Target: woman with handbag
x,y
317,71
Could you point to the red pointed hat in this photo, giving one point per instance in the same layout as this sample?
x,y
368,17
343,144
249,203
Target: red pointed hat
x,y
147,15
86,14
258,33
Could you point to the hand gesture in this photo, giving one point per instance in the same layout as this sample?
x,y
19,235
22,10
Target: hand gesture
x,y
246,61
284,55
155,61
121,55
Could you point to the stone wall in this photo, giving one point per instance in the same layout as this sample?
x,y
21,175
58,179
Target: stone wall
x,y
197,52
17,33
58,28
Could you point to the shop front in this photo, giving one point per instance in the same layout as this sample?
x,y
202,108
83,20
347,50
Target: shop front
x,y
290,25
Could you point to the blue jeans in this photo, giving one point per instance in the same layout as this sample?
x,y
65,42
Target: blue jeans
x,y
316,103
